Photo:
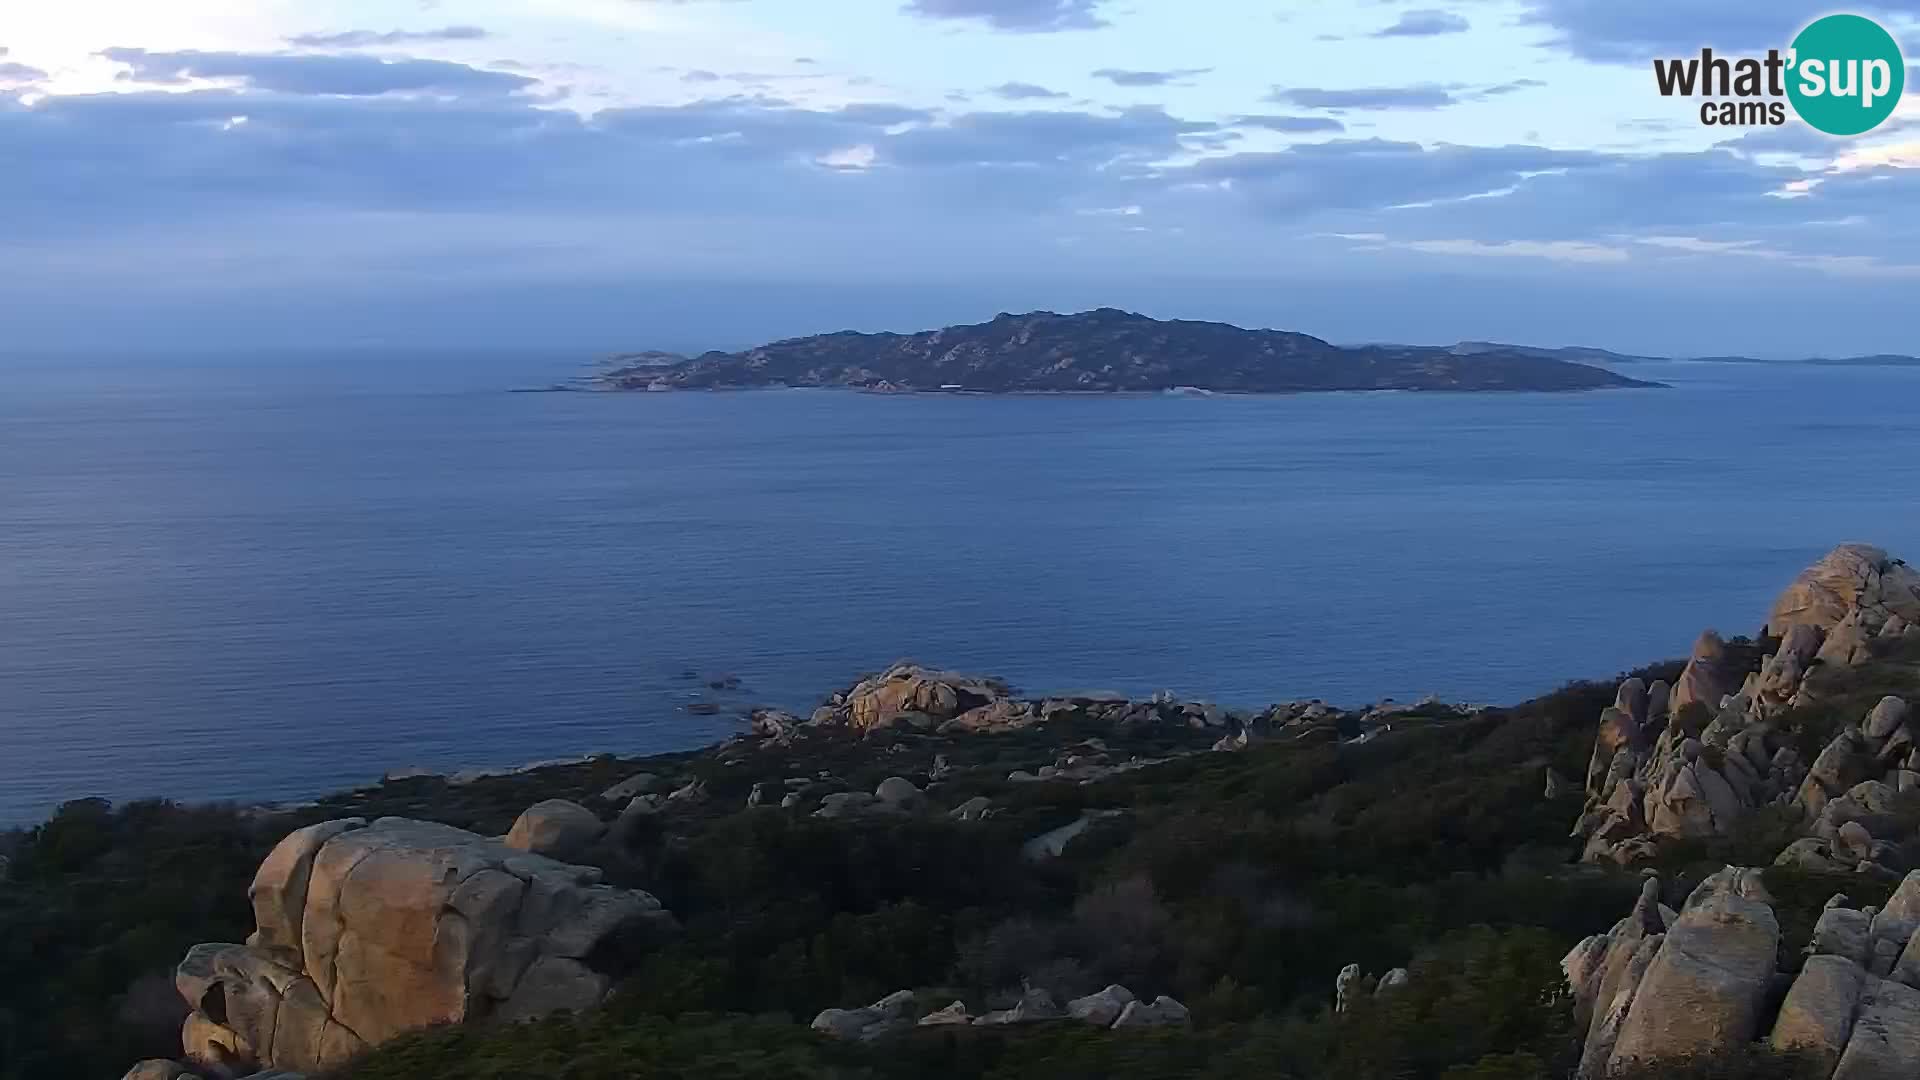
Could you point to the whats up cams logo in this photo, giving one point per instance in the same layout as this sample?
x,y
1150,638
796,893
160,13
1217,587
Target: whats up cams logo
x,y
1843,75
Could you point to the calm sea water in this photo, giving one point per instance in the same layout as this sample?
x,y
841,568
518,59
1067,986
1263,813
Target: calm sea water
x,y
268,577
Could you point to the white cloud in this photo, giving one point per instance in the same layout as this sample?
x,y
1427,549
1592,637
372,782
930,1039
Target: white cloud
x,y
850,158
1850,265
1572,251
1694,244
1577,251
1899,155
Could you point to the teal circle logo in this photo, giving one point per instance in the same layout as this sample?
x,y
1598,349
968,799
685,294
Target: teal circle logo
x,y
1845,74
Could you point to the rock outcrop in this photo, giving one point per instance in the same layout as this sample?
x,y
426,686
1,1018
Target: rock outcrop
x,y
557,829
365,931
1693,760
1103,1008
922,698
1052,844
1162,1012
1852,579
888,1016
1704,986
912,697
1346,987
1707,983
1035,1005
1115,1008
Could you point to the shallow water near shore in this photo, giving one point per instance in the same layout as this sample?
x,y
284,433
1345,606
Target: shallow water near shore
x,y
266,577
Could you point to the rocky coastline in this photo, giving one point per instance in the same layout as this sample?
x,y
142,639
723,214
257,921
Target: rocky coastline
x,y
1760,799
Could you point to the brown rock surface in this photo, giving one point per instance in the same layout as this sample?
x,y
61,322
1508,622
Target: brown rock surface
x,y
370,930
1851,577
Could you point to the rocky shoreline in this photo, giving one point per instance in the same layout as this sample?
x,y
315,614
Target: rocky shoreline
x,y
494,897
368,928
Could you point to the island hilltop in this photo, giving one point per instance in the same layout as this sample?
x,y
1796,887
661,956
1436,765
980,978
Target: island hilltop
x,y
1104,351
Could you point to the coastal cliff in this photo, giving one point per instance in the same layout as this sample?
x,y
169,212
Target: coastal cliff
x,y
933,875
1104,351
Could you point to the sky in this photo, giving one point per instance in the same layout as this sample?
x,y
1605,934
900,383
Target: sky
x,y
624,174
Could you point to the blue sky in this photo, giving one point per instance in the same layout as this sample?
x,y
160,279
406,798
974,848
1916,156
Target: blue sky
x,y
684,173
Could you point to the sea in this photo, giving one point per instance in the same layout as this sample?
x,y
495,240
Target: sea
x,y
262,577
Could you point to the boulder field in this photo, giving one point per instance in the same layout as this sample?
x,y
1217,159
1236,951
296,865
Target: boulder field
x,y
1664,985
1114,1008
1696,758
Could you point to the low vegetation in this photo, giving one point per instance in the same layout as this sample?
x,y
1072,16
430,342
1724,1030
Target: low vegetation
x,y
1238,883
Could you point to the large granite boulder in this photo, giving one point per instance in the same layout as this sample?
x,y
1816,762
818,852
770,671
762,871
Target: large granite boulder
x,y
1817,1016
557,829
1103,1008
1894,924
1887,718
1850,643
1885,1041
1708,676
1611,1013
1162,1012
910,691
1603,971
900,794
366,931
1850,578
1036,1005
1772,688
888,1016
1705,987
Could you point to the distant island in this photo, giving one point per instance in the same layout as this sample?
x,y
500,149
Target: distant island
x,y
1586,355
1105,351
1878,360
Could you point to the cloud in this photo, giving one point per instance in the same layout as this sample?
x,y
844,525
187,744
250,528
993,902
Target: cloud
x,y
295,73
1637,31
1309,179
1121,77
1017,16
1425,96
1109,143
1381,98
1019,91
1571,251
162,190
1556,250
1501,89
1290,124
1750,248
1426,22
1694,244
14,73
103,161
357,39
